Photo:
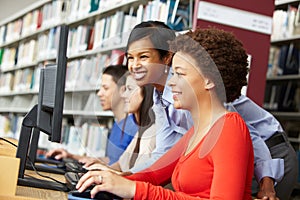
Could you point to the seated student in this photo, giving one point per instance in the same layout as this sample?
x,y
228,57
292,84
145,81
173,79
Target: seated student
x,y
138,101
214,159
112,86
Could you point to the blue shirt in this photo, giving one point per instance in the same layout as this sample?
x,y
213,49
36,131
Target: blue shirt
x,y
117,143
171,124
262,125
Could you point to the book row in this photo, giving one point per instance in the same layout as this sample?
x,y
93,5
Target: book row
x,y
88,139
286,23
51,14
284,60
282,97
105,32
83,72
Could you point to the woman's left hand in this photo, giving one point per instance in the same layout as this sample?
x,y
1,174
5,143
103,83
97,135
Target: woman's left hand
x,y
107,181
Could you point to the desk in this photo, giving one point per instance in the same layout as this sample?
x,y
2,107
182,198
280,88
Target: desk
x,y
42,193
31,193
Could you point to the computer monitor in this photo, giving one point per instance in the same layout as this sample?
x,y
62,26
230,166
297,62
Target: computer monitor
x,y
46,116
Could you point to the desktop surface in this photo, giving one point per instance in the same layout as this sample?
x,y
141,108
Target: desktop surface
x,y
24,191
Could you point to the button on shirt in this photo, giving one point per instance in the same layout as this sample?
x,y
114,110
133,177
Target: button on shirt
x,y
171,125
262,125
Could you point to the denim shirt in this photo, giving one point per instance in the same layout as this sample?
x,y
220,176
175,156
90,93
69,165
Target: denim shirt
x,y
262,125
117,143
171,124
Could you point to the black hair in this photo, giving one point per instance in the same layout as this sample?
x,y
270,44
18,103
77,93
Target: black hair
x,y
117,72
158,33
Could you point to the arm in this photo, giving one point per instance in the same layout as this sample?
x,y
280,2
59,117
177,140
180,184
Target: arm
x,y
61,153
232,153
266,169
126,188
169,129
264,165
232,157
261,125
160,172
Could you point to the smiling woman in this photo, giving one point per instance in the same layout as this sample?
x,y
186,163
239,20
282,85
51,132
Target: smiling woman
x,y
138,102
132,97
218,147
149,61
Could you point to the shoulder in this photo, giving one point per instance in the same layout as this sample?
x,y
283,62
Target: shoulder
x,y
234,121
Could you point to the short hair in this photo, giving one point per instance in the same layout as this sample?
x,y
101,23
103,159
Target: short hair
x,y
225,51
117,72
158,33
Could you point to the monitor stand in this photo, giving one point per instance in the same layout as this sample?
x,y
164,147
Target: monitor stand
x,y
43,165
29,123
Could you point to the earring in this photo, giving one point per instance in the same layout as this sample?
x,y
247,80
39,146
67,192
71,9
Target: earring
x,y
166,69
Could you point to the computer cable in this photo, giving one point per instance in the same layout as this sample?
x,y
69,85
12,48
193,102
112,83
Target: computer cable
x,y
1,138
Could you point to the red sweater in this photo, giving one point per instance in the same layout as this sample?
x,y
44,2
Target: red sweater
x,y
219,167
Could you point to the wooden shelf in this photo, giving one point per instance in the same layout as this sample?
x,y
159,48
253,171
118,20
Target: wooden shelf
x,y
6,94
295,140
283,41
288,115
83,113
284,78
283,4
88,113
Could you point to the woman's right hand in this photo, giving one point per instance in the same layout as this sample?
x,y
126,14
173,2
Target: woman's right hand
x,y
58,154
107,181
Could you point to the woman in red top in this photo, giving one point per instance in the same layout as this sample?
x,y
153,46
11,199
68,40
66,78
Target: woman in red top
x,y
214,159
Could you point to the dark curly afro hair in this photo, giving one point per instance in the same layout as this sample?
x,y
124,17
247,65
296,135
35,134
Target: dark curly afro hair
x,y
224,50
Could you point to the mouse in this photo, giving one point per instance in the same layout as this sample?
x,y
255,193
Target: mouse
x,y
75,167
72,179
87,194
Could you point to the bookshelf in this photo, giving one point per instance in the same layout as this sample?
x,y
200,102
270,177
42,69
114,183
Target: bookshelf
x,y
282,95
98,32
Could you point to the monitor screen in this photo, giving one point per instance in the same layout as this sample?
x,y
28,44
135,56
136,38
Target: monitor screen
x,y
47,115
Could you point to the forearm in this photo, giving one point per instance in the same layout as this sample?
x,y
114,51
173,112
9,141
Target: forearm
x,y
74,156
148,191
116,166
264,164
273,168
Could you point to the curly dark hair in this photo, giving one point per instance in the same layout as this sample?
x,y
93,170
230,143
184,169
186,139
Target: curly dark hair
x,y
224,50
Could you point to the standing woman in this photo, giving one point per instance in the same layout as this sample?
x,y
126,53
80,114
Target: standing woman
x,y
214,159
149,61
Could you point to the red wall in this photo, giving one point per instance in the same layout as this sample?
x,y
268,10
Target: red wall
x,y
256,44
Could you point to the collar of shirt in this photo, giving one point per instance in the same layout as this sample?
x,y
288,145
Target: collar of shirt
x,y
167,96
